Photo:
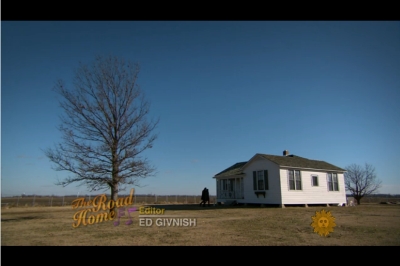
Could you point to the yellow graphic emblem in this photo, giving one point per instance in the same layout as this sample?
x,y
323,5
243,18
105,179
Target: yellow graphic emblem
x,y
323,223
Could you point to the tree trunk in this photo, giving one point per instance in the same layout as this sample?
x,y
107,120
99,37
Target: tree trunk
x,y
114,197
358,199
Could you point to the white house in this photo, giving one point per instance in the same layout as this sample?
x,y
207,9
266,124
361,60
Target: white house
x,y
282,180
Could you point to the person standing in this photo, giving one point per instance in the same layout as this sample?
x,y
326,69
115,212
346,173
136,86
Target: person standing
x,y
205,197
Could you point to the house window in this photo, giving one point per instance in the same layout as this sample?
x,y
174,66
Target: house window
x,y
294,179
227,184
224,184
314,180
333,184
260,180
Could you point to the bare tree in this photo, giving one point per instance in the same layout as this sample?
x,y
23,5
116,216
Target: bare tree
x,y
105,127
361,181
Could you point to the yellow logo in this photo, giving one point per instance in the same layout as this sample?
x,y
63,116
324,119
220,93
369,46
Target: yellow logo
x,y
323,223
99,203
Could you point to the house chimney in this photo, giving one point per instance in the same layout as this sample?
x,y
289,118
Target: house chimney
x,y
285,153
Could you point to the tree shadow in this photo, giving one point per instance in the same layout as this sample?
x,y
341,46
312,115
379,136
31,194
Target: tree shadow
x,y
197,207
19,219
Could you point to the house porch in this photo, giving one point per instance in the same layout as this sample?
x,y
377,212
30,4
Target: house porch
x,y
229,189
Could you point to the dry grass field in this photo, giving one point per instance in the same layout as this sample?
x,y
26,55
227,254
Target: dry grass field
x,y
363,225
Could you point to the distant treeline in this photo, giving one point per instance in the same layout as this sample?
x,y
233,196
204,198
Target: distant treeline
x,y
379,195
36,200
52,200
171,195
107,195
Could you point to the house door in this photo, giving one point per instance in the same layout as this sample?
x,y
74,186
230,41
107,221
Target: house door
x,y
230,187
239,188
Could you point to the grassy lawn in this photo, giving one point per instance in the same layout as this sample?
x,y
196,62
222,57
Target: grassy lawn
x,y
363,225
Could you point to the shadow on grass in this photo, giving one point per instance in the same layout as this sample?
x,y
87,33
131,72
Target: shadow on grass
x,y
197,207
19,219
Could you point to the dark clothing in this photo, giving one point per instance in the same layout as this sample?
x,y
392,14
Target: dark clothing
x,y
205,197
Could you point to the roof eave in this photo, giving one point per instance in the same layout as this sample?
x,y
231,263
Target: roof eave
x,y
260,155
229,176
305,168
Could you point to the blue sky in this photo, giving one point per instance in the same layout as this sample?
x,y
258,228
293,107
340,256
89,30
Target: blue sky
x,y
224,91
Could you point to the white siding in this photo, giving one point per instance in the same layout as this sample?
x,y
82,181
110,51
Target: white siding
x,y
278,186
273,194
312,194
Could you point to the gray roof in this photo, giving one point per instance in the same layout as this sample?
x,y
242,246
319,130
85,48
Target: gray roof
x,y
283,161
301,162
235,169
